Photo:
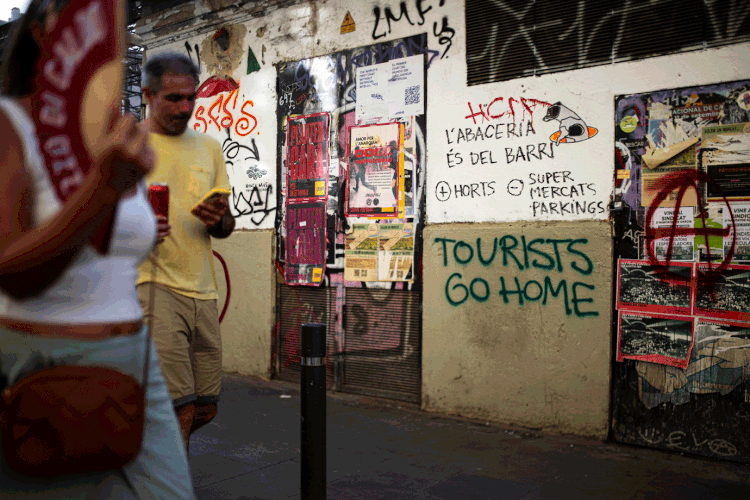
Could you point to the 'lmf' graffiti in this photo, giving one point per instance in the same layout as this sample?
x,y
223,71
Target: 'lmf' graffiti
x,y
553,256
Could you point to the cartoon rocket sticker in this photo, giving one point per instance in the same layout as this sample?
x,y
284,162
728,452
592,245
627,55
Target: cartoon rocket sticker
x,y
572,127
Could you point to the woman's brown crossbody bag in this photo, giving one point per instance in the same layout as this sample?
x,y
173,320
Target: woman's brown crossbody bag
x,y
73,419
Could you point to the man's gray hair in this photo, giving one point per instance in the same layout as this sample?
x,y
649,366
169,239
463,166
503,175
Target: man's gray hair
x,y
170,62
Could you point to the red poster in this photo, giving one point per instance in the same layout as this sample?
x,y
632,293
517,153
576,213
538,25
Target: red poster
x,y
722,294
305,243
666,339
307,157
643,287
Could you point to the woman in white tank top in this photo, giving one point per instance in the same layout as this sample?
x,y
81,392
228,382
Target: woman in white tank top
x,y
67,278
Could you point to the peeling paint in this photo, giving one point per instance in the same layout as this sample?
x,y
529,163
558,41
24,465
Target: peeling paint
x,y
222,52
261,31
186,12
313,18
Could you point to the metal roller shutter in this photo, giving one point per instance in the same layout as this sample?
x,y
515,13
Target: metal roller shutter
x,y
382,348
521,38
299,305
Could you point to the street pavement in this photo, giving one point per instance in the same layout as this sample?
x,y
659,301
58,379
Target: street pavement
x,y
379,449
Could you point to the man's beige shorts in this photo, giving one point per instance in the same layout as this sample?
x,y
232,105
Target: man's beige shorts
x,y
186,334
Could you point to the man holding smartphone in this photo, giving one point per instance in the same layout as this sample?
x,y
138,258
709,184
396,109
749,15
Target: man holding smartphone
x,y
184,313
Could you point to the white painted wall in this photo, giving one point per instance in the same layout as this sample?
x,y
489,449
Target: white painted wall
x,y
481,180
313,29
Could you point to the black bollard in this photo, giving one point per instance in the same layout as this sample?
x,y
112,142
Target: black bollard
x,y
313,411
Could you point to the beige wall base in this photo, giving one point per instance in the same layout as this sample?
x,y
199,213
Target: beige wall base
x,y
248,324
537,365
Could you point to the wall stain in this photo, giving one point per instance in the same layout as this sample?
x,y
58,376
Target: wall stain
x,y
222,52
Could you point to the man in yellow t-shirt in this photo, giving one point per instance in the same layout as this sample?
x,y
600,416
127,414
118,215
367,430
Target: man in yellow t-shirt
x,y
177,283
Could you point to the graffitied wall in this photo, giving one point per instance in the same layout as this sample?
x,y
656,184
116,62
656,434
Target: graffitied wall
x,y
517,303
233,106
520,156
517,325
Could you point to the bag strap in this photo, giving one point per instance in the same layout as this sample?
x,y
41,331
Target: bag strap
x,y
151,300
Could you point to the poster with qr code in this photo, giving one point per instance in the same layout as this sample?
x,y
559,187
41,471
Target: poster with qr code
x,y
393,89
361,253
395,252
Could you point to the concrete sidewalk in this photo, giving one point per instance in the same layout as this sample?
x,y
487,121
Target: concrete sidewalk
x,y
386,450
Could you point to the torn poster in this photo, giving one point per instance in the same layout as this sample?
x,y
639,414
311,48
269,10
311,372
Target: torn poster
x,y
410,168
657,338
305,243
643,287
722,293
725,157
709,247
361,253
720,355
677,248
307,157
653,181
741,234
395,252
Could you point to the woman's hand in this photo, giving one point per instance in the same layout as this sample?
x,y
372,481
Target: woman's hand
x,y
127,157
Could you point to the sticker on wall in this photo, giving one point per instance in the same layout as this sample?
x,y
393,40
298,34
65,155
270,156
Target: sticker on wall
x,y
348,25
628,123
743,101
572,127
252,62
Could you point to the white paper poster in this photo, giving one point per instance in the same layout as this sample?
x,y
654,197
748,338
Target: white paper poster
x,y
682,246
394,89
741,215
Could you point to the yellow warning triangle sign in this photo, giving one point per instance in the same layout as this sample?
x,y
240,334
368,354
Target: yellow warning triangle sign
x,y
348,25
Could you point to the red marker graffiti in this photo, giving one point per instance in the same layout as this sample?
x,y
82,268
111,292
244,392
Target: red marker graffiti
x,y
682,181
223,113
496,109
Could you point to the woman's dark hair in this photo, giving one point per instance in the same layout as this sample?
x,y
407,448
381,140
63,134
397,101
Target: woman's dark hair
x,y
161,64
22,51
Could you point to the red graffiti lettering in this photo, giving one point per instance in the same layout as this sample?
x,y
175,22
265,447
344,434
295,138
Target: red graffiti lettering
x,y
485,114
228,115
